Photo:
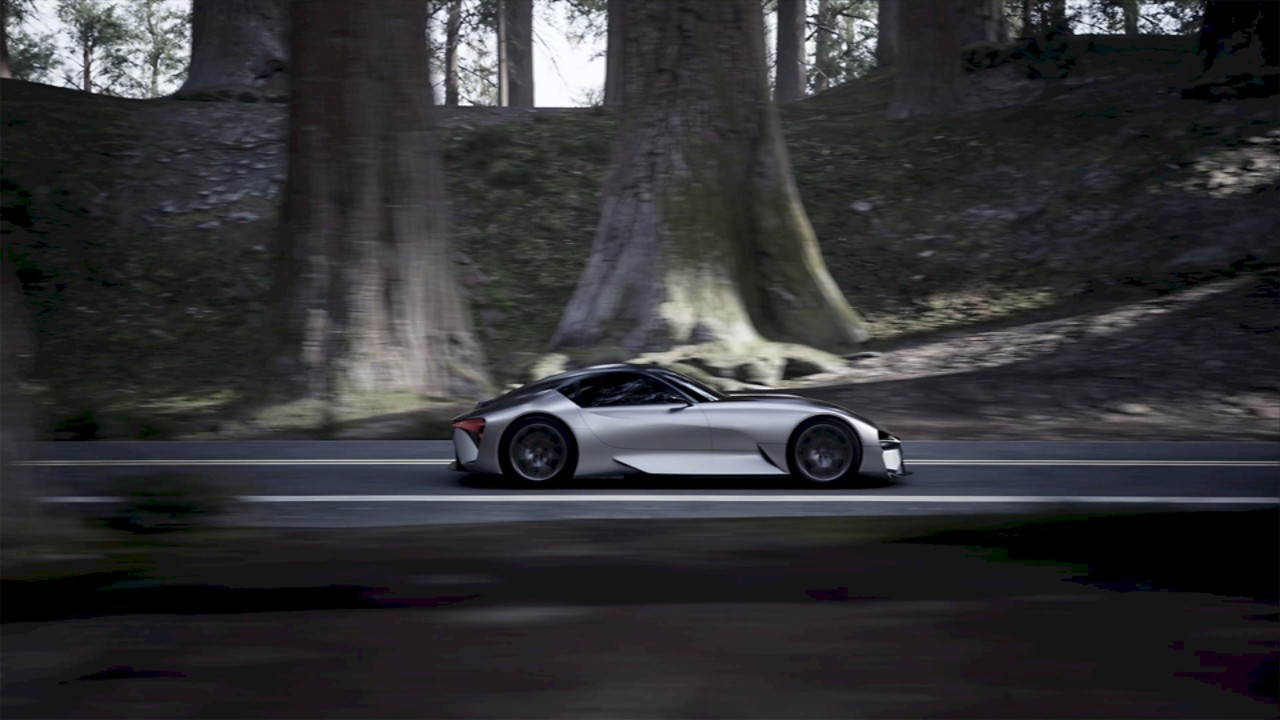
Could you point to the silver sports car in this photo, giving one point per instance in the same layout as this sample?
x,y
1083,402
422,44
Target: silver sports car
x,y
620,419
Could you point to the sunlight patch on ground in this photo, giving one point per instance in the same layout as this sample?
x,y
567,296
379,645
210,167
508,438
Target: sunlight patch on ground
x,y
1004,347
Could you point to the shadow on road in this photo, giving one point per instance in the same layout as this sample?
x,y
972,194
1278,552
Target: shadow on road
x,y
673,482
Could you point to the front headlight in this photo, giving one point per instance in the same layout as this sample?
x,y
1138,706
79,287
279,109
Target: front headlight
x,y
889,442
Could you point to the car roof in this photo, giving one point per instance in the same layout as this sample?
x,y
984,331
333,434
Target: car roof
x,y
596,370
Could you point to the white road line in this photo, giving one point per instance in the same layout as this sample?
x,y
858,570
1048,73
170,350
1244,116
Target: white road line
x,y
179,462
1106,463
818,498
286,461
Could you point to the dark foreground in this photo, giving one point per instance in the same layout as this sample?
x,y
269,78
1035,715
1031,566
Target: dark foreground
x,y
1160,615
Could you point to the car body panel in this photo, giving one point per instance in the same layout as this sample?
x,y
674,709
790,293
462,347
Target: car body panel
x,y
650,427
704,463
733,435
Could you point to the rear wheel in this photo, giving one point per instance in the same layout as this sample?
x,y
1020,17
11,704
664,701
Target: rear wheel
x,y
823,451
538,449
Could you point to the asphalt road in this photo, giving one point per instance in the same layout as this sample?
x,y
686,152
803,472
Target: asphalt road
x,y
382,483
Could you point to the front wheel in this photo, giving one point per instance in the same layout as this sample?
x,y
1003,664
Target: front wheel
x,y
823,451
538,449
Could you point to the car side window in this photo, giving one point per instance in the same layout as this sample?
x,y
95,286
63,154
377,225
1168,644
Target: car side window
x,y
623,389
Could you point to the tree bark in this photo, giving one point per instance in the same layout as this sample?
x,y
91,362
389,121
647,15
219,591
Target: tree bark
x,y
1131,16
613,54
239,51
887,32
86,57
790,50
5,70
1057,16
702,236
1243,29
1028,21
516,54
982,22
822,42
367,309
452,36
928,81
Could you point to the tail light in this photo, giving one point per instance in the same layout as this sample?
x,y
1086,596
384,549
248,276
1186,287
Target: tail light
x,y
473,427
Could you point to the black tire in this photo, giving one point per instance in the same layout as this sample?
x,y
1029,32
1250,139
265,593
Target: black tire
x,y
824,451
538,450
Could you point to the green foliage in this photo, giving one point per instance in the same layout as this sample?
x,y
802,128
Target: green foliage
x,y
849,27
33,56
588,20
136,48
477,62
160,49
99,36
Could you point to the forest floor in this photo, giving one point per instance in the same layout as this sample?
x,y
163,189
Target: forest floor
x,y
1081,253
1125,615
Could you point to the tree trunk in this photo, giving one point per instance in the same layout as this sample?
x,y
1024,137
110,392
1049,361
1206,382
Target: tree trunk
x,y
702,236
368,312
239,51
452,34
790,49
928,81
1028,21
822,42
982,22
5,70
1131,15
155,79
86,57
517,23
504,57
613,55
887,32
1057,16
1245,30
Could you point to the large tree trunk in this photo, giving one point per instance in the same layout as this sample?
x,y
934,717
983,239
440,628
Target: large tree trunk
x,y
982,22
516,51
887,32
5,70
452,36
702,236
790,80
1028,20
613,54
239,51
928,81
368,311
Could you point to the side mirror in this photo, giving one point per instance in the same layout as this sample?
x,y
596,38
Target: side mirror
x,y
682,402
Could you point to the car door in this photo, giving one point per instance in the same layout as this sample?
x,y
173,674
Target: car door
x,y
632,411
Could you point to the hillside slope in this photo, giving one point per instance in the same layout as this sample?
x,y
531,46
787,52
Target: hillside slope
x,y
143,232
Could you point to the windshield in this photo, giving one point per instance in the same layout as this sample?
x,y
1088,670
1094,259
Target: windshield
x,y
697,390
